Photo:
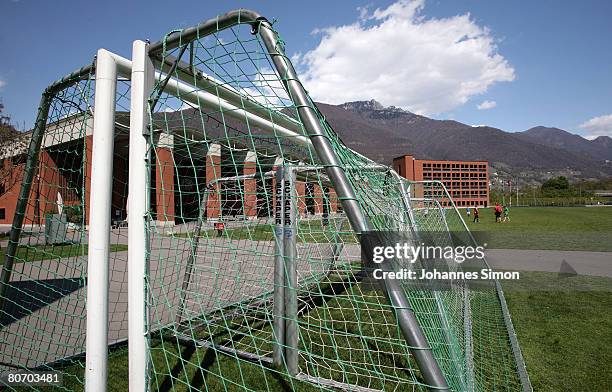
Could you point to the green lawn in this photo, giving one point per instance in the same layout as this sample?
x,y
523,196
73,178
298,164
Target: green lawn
x,y
311,230
27,253
563,325
564,329
562,228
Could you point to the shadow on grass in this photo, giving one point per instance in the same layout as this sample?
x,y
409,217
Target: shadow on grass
x,y
168,385
212,356
329,291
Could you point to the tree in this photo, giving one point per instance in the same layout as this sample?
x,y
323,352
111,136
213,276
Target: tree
x,y
556,184
8,133
13,145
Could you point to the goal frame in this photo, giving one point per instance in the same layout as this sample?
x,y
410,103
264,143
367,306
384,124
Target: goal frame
x,y
144,69
146,59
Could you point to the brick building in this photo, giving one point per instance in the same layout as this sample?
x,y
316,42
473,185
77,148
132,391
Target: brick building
x,y
467,182
178,180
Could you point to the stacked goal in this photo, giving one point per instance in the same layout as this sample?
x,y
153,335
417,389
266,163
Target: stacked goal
x,y
244,211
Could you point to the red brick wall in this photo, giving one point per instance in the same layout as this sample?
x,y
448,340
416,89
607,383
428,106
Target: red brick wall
x,y
46,184
333,200
213,171
12,177
301,193
250,189
164,177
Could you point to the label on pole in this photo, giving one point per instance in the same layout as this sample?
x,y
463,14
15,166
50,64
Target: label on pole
x,y
289,217
279,201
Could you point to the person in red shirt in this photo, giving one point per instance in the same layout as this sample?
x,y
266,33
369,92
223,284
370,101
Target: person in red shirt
x,y
498,212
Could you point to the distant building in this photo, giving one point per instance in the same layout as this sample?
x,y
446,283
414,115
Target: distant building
x,y
467,182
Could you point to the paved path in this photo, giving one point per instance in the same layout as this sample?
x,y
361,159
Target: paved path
x,y
48,296
585,263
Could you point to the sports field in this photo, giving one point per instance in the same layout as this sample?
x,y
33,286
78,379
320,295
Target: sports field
x,y
565,331
561,228
554,228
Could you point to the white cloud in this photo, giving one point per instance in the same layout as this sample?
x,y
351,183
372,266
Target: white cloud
x,y
485,105
2,83
398,57
598,126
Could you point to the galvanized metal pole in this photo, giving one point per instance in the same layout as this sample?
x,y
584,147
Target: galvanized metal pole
x,y
279,271
405,316
290,254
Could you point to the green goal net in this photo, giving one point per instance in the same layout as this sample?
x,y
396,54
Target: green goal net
x,y
217,320
45,257
255,209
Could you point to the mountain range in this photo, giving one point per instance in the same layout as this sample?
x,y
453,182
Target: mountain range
x,y
383,133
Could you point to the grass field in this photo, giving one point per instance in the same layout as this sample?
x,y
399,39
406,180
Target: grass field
x,y
50,252
565,333
562,228
564,329
311,230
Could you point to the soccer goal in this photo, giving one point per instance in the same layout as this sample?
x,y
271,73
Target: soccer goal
x,y
217,246
258,259
60,247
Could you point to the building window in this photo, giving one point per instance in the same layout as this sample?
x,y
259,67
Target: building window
x,y
2,213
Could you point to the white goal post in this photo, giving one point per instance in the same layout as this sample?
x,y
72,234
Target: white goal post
x,y
108,67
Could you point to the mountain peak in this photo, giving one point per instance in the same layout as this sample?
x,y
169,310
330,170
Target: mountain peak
x,y
374,109
558,138
384,133
603,137
362,105
542,130
605,141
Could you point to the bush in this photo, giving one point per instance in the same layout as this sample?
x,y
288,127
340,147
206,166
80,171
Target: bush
x,y
74,214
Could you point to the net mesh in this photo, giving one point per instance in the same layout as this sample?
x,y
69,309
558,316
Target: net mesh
x,y
213,242
43,315
213,246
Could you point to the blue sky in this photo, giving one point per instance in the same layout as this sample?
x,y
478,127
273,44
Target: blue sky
x,y
524,63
